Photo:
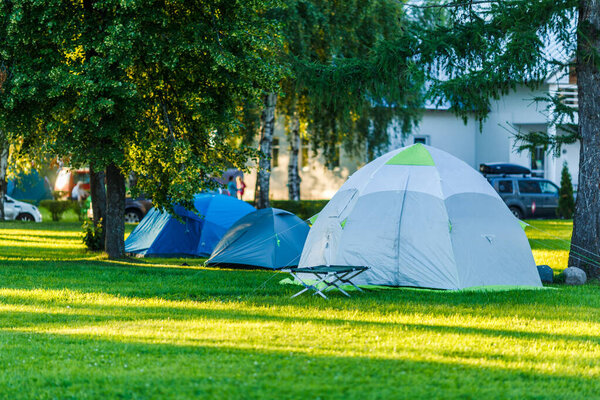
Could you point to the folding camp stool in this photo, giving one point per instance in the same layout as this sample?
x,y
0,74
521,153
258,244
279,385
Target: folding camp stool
x,y
331,276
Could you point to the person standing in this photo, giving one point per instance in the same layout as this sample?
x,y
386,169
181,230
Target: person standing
x,y
240,187
79,193
232,187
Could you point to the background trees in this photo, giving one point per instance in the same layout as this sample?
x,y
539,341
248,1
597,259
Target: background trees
x,y
144,86
351,74
482,50
155,87
566,203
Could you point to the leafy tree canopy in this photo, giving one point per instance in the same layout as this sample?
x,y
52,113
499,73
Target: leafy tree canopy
x,y
353,71
149,85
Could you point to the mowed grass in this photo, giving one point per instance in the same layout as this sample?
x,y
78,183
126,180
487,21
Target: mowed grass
x,y
550,241
74,325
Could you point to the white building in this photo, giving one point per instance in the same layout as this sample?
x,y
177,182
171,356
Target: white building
x,y
440,128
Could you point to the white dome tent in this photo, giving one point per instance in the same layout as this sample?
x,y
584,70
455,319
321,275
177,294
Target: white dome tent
x,y
420,217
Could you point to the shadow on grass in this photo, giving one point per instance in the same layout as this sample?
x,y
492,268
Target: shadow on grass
x,y
549,244
63,311
260,288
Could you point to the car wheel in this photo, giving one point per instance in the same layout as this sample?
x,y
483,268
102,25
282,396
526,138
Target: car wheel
x,y
133,216
25,217
516,211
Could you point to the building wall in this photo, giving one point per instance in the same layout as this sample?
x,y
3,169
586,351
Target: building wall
x,y
318,181
443,130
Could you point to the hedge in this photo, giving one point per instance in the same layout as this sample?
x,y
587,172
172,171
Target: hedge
x,y
56,207
303,208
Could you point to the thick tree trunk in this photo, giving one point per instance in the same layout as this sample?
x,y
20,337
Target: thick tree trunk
x,y
4,147
585,242
98,193
293,173
115,212
267,127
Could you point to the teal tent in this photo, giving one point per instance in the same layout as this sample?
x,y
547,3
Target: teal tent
x,y
268,238
30,187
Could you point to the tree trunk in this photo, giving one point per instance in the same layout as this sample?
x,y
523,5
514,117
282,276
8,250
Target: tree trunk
x,y
585,242
98,193
4,147
293,173
267,127
115,212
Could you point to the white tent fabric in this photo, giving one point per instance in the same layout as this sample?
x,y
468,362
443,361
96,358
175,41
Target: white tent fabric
x,y
420,217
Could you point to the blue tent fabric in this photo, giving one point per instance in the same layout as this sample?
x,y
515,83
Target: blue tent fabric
x,y
161,234
268,238
30,187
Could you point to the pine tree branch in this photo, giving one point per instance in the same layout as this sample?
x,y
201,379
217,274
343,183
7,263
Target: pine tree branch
x,y
452,5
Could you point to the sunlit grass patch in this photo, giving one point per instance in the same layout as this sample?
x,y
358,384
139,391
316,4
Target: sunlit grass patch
x,y
550,241
76,325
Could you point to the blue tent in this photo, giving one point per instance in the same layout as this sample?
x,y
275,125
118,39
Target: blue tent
x,y
267,238
159,233
31,187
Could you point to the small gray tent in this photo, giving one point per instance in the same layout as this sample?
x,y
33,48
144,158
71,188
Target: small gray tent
x,y
418,216
268,238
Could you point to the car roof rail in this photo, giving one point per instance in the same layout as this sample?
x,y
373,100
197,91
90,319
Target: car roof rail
x,y
507,175
503,169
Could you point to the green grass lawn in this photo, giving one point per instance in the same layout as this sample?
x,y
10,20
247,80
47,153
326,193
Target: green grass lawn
x,y
75,326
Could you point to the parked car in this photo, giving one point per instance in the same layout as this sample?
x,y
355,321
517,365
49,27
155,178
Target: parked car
x,y
527,197
20,211
136,209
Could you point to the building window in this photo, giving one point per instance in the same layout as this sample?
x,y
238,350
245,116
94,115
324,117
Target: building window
x,y
304,148
275,153
538,155
423,139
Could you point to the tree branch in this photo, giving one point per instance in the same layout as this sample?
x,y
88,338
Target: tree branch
x,y
452,5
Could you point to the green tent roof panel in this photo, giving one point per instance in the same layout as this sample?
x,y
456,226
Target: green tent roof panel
x,y
413,155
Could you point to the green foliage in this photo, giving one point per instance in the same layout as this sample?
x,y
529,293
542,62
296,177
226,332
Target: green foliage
x,y
60,194
81,208
304,209
478,52
56,207
152,86
564,117
353,73
566,202
92,236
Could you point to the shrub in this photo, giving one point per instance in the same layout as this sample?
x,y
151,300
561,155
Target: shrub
x,y
81,209
56,207
566,202
92,236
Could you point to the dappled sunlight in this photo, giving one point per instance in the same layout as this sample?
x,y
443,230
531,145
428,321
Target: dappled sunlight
x,y
506,342
558,260
131,320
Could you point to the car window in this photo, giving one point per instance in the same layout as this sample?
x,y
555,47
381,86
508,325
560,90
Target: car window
x,y
505,187
8,200
526,187
82,176
549,188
